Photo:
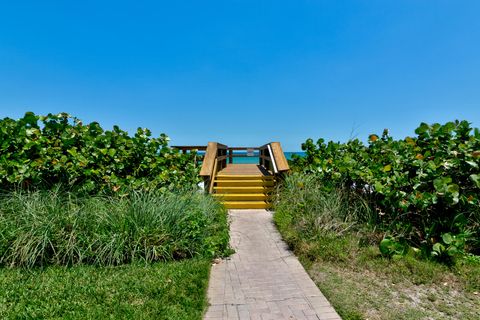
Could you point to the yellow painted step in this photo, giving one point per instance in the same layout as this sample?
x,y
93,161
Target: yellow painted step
x,y
241,197
244,183
246,205
243,189
242,177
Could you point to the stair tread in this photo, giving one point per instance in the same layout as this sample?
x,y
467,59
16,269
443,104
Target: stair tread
x,y
228,184
242,197
243,190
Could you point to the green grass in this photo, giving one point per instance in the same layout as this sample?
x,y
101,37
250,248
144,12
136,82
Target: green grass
x,y
334,236
170,290
143,255
61,228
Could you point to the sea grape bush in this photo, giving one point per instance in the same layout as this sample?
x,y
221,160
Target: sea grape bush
x,y
422,187
42,151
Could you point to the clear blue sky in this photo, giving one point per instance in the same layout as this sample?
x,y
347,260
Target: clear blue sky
x,y
244,72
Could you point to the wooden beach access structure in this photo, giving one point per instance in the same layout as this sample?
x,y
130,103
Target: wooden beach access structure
x,y
241,185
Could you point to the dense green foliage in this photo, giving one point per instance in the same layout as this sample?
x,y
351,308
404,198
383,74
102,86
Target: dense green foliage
x,y
95,210
43,151
334,233
171,290
53,227
425,189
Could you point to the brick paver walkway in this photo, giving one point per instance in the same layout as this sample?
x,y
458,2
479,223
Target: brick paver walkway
x,y
263,279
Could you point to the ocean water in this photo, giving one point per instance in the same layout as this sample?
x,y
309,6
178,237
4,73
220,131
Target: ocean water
x,y
254,159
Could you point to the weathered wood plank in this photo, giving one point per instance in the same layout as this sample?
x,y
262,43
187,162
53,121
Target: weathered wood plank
x,y
245,183
223,176
209,160
210,189
242,197
186,148
244,169
280,160
228,190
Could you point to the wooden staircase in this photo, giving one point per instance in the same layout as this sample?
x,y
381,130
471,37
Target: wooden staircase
x,y
244,191
242,186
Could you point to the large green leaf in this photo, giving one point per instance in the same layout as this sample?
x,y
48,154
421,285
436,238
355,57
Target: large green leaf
x,y
476,179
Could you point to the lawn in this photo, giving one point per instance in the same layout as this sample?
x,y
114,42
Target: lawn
x,y
172,290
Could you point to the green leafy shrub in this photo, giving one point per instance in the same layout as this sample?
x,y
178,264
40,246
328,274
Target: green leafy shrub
x,y
53,227
450,246
420,187
392,247
44,151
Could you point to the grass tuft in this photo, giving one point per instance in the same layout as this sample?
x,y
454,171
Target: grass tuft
x,y
42,228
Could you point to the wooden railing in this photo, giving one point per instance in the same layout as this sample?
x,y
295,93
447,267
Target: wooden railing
x,y
185,149
270,155
273,158
249,152
215,159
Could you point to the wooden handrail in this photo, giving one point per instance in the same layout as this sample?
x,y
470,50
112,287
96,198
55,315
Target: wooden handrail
x,y
210,185
273,158
243,148
213,151
215,159
209,159
279,156
190,147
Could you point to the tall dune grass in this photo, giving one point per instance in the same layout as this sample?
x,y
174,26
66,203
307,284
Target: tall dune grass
x,y
53,227
305,204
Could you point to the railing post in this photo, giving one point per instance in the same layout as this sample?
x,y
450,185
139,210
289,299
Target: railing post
x,y
210,187
230,156
209,164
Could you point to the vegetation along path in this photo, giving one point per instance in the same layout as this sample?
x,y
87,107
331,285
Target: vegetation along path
x,y
263,279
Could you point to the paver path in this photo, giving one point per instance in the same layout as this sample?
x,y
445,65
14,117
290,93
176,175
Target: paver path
x,y
263,279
